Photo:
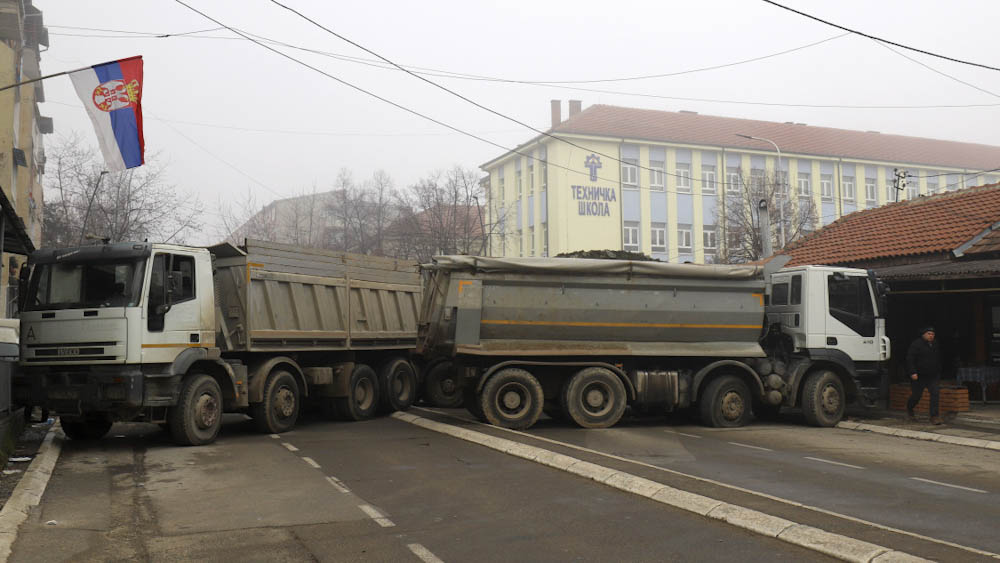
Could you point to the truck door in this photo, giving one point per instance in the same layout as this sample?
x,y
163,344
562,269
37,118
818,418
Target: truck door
x,y
172,310
850,320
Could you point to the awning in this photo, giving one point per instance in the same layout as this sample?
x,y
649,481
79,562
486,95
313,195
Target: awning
x,y
15,237
941,269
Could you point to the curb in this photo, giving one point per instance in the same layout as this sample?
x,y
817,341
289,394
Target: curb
x,y
834,545
921,435
29,489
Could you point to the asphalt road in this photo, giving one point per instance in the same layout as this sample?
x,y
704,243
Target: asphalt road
x,y
381,490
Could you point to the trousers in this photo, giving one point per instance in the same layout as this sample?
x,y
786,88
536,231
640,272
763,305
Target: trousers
x,y
917,391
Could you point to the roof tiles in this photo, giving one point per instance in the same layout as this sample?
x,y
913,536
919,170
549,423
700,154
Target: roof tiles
x,y
925,225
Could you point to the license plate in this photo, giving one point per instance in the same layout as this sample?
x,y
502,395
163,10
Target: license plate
x,y
67,351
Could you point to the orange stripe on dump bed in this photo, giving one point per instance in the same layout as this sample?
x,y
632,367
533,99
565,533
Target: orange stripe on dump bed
x,y
614,325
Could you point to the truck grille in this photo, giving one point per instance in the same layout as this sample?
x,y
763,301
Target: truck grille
x,y
70,352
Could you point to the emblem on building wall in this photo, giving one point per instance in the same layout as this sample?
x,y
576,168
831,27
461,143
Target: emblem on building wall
x,y
593,162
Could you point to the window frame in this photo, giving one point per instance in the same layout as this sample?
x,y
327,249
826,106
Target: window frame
x,y
683,177
630,172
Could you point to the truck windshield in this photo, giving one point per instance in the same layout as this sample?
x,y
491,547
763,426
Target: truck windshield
x,y
85,285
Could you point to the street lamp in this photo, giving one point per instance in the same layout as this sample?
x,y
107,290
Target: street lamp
x,y
781,186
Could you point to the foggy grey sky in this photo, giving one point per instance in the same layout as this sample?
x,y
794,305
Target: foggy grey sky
x,y
200,91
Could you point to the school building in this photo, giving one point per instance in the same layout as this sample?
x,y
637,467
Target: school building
x,y
659,181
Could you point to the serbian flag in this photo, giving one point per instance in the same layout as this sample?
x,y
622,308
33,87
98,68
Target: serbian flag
x,y
112,93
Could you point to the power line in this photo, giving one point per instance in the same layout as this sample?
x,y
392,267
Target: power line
x,y
566,85
893,43
936,71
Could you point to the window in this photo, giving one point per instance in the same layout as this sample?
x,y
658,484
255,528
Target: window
x,y
683,177
733,183
796,297
708,179
757,179
684,238
871,191
531,177
545,239
630,172
520,243
851,303
517,181
848,185
182,272
912,185
826,186
545,175
500,187
779,294
805,190
630,236
656,175
932,185
781,177
658,237
531,241
709,238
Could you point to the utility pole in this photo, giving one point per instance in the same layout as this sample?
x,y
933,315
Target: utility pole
x,y
898,181
781,186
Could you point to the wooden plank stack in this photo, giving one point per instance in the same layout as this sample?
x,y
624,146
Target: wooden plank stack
x,y
954,398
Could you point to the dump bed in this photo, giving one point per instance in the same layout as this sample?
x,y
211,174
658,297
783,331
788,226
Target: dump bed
x,y
572,306
279,297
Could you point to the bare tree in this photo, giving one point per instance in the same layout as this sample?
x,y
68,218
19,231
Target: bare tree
x,y
245,218
441,214
135,204
741,226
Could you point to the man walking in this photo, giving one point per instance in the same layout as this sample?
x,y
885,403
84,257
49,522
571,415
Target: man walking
x,y
923,363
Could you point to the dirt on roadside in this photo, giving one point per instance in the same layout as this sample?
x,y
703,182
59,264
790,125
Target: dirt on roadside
x,y
24,453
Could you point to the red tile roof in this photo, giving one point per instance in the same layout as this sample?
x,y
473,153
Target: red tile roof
x,y
925,225
693,128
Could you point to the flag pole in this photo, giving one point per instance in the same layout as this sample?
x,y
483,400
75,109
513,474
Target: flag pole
x,y
23,82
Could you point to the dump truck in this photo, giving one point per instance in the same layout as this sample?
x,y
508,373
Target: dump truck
x,y
179,335
583,339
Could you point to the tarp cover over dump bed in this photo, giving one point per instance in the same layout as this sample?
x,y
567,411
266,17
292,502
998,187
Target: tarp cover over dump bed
x,y
592,266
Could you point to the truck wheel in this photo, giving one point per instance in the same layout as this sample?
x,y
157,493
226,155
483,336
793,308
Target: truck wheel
x,y
823,398
362,399
512,398
441,387
725,403
279,410
473,404
85,428
594,398
397,385
197,418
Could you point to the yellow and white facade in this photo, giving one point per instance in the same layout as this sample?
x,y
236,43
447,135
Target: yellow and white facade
x,y
667,199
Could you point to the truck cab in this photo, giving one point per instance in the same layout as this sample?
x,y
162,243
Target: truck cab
x,y
833,314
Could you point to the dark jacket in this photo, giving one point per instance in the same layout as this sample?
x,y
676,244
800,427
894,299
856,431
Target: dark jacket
x,y
924,359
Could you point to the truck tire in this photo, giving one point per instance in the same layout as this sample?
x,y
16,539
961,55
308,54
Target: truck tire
x,y
441,388
473,404
361,403
594,398
512,398
725,402
197,418
279,410
397,385
84,429
823,398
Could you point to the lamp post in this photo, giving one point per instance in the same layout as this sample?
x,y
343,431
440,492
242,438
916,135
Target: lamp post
x,y
781,186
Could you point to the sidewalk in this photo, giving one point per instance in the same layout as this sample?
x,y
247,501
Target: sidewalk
x,y
978,427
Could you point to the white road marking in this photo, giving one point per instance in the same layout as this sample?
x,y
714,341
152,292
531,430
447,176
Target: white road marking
x,y
683,434
310,461
949,485
376,515
275,436
423,553
821,460
289,447
714,482
751,447
338,484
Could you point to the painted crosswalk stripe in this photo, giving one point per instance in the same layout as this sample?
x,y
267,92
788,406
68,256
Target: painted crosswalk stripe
x,y
376,515
831,462
289,447
310,461
684,434
751,447
338,484
423,553
275,436
949,485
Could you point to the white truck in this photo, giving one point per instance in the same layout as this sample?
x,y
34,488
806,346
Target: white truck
x,y
178,335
